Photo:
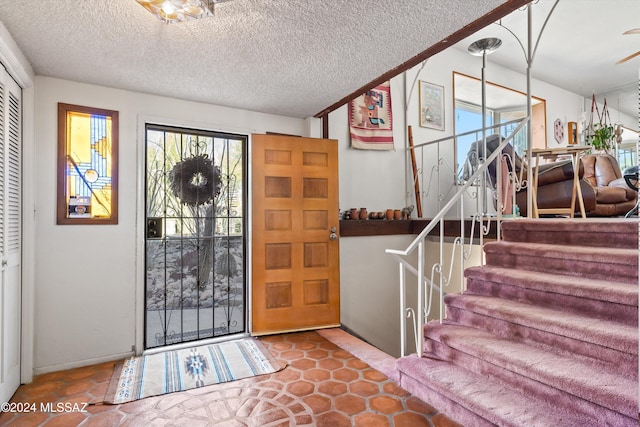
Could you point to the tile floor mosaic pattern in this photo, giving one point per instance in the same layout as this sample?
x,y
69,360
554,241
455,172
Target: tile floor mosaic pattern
x,y
323,385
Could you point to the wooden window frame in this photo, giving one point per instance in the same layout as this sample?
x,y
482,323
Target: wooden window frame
x,y
62,196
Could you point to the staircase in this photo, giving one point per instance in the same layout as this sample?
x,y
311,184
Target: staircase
x,y
546,333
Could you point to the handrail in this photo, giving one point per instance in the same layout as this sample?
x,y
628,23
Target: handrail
x,y
413,270
440,215
424,302
471,132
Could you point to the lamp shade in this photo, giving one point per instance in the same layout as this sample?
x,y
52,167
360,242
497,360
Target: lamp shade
x,y
482,46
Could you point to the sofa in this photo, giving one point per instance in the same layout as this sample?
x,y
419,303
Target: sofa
x,y
613,197
604,189
555,180
555,188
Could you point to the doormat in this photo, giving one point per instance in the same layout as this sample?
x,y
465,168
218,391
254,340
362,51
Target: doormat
x,y
188,368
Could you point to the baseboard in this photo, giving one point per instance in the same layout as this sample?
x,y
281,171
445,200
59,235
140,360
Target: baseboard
x,y
364,351
81,363
355,334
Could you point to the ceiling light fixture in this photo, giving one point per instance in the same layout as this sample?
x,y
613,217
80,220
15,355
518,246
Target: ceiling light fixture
x,y
170,11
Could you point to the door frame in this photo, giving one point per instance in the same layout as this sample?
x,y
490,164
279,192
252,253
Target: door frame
x,y
21,72
140,224
28,234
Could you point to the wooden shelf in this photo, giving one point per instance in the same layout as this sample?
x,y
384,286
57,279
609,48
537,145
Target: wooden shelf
x,y
383,227
374,227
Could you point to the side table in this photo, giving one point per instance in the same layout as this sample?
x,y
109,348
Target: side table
x,y
552,154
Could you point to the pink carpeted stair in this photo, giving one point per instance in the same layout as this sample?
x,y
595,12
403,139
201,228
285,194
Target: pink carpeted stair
x,y
546,333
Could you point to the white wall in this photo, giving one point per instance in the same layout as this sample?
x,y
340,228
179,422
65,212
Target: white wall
x,y
372,179
85,279
380,180
617,117
369,291
369,287
20,70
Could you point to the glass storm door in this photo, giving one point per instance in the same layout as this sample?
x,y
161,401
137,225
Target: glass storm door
x,y
195,235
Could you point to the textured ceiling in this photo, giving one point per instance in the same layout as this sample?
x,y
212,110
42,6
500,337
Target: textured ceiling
x,y
298,57
290,57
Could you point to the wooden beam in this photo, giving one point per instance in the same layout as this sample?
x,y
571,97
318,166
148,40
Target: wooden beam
x,y
325,126
497,13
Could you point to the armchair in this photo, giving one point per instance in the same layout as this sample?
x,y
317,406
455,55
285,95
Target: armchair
x,y
612,194
555,188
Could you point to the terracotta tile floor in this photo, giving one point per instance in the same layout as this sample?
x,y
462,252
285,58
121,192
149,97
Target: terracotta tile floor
x,y
323,385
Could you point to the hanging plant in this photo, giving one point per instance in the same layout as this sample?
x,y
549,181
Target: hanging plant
x,y
195,181
601,134
602,137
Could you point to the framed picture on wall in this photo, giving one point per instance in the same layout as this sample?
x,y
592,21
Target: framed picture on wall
x,y
431,105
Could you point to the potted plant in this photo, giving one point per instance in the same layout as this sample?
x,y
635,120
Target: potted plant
x,y
602,137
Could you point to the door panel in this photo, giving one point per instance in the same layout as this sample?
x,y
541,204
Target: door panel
x,y
10,235
295,251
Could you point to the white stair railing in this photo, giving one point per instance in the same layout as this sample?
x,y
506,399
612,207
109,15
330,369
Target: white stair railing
x,y
439,278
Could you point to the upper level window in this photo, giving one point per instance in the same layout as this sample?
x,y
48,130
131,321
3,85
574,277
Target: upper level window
x,y
503,105
468,117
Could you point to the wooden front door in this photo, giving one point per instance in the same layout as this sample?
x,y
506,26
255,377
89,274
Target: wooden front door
x,y
295,250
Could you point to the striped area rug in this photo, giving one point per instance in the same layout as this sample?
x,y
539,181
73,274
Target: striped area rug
x,y
188,368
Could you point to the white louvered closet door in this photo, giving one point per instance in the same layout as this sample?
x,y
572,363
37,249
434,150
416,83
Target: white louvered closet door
x,y
10,234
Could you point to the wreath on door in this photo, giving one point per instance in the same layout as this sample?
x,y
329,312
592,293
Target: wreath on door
x,y
195,181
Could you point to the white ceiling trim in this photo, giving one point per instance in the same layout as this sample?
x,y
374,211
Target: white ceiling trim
x,y
14,61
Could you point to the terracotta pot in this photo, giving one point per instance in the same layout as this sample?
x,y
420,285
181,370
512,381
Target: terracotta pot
x,y
353,213
389,214
397,214
363,213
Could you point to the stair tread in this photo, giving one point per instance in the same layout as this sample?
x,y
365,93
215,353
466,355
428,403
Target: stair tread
x,y
515,354
598,225
609,291
575,376
491,399
607,333
579,253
